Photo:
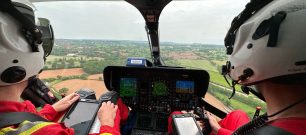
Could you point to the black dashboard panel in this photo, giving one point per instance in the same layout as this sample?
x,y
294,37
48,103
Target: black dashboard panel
x,y
157,89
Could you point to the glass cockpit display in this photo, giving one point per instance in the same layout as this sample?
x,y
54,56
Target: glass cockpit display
x,y
185,87
160,88
128,87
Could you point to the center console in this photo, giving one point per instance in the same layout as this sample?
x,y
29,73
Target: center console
x,y
153,93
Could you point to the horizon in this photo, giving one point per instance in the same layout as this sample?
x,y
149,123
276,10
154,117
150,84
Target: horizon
x,y
143,41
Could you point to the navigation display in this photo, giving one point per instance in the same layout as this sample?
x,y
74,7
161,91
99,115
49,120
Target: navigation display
x,y
128,87
185,87
160,89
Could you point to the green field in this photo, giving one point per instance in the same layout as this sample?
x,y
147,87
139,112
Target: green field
x,y
239,105
202,64
54,57
219,63
217,78
76,60
235,104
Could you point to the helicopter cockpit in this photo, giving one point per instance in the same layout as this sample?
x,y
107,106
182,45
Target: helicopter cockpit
x,y
94,74
150,88
154,90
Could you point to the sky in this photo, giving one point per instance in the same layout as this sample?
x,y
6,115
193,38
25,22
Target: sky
x,y
202,21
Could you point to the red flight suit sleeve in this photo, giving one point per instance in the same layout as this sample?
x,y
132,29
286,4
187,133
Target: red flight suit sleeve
x,y
232,121
48,112
124,111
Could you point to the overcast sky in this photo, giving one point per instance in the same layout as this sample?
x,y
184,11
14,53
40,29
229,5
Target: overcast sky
x,y
203,21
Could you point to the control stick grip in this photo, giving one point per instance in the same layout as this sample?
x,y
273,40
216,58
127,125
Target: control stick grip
x,y
109,96
207,128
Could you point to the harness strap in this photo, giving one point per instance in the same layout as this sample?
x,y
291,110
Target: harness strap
x,y
106,134
14,118
25,128
270,130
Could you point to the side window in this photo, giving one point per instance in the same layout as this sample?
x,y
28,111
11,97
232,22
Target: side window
x,y
89,37
191,35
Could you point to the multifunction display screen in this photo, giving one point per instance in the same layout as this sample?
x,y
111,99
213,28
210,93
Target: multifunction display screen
x,y
160,88
185,87
128,87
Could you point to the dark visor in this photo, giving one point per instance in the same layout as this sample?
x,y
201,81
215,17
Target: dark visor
x,y
250,9
47,35
44,26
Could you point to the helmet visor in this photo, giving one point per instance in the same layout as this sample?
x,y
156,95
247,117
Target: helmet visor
x,y
47,35
27,9
25,2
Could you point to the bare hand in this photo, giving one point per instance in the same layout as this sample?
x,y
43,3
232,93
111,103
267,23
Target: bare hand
x,y
213,123
107,113
65,102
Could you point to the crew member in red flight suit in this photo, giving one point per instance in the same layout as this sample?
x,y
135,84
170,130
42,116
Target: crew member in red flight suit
x,y
22,54
266,48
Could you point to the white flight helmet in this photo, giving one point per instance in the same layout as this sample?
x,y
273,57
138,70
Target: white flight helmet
x,y
21,42
267,40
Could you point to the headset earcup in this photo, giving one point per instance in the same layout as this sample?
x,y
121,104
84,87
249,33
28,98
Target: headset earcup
x,y
13,74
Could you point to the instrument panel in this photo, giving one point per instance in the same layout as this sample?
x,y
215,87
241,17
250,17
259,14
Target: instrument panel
x,y
157,89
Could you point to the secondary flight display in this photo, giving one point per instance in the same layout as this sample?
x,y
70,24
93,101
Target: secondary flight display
x,y
128,87
160,88
185,87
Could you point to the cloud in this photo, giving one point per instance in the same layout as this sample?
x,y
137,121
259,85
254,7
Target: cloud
x,y
203,21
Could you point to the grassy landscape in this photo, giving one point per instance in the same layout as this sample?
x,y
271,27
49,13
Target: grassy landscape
x,y
202,64
236,104
217,78
240,105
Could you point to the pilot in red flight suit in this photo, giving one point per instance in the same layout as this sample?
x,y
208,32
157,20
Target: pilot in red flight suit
x,y
22,54
266,48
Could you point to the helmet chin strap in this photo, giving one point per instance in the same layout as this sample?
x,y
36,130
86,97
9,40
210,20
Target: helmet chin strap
x,y
232,86
248,72
247,90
